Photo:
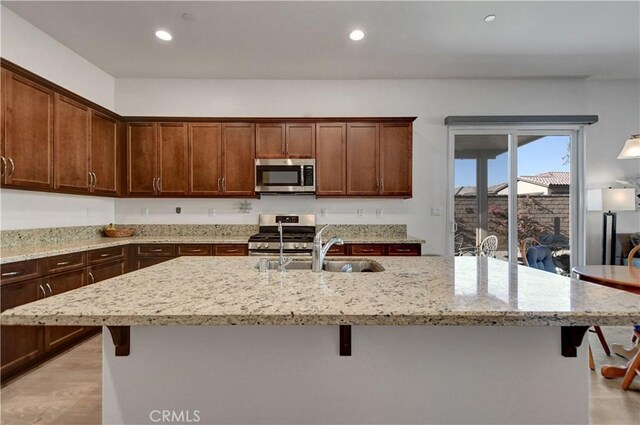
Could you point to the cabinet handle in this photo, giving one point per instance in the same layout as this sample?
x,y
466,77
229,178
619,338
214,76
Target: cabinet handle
x,y
219,190
44,294
4,166
49,288
95,180
194,250
93,279
13,167
155,250
403,250
159,185
224,187
105,255
154,185
11,273
63,263
382,185
90,183
366,250
377,183
286,150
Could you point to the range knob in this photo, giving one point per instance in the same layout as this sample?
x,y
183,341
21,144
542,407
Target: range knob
x,y
266,245
304,246
297,245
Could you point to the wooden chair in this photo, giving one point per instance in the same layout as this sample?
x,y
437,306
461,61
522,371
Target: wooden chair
x,y
524,246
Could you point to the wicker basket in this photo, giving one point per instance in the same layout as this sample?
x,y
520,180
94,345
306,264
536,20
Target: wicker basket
x,y
118,233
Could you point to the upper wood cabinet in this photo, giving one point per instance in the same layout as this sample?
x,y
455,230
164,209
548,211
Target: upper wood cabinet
x,y
205,159
142,159
173,163
71,143
238,165
293,140
331,159
104,154
362,159
396,154
27,142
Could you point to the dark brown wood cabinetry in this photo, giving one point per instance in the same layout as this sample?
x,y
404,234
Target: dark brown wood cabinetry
x,y
173,159
142,159
362,159
205,159
99,272
104,154
331,159
396,154
285,140
238,153
71,143
56,284
27,139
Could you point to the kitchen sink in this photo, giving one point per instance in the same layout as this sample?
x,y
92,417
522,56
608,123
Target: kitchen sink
x,y
339,266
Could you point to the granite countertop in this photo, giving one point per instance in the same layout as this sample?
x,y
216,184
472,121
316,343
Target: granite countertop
x,y
463,291
35,251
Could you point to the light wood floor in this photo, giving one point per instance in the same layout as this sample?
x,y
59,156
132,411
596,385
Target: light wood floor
x,y
67,390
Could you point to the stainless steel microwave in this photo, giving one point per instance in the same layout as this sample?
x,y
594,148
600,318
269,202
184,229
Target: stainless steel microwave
x,y
285,175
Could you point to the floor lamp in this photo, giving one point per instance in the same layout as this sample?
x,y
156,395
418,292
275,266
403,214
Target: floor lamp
x,y
610,201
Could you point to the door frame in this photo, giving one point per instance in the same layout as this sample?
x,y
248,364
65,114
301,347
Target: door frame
x,y
577,197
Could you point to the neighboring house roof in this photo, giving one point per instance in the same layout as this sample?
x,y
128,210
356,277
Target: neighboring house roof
x,y
552,178
471,190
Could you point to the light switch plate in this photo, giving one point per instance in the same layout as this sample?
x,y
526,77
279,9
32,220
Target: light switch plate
x,y
360,212
212,212
379,213
145,212
323,212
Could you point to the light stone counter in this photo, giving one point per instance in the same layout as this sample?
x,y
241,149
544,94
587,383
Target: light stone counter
x,y
35,251
411,291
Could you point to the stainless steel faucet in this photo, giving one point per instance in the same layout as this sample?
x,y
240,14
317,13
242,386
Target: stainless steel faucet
x,y
319,252
282,261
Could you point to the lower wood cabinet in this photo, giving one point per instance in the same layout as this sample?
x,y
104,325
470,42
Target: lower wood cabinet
x,y
20,344
141,263
101,272
57,284
194,249
231,249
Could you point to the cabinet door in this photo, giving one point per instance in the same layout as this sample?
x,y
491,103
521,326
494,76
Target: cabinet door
x,y
104,153
54,336
71,145
331,159
173,148
300,140
101,272
141,263
362,159
20,344
270,141
396,140
28,142
205,158
142,155
238,165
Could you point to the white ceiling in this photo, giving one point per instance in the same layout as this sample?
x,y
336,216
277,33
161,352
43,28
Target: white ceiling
x,y
309,40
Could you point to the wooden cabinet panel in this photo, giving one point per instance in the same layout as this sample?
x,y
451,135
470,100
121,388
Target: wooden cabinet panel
x,y
231,249
20,344
331,159
396,140
101,272
63,263
205,158
54,336
194,249
28,136
270,141
173,165
19,271
71,145
407,250
337,250
155,250
367,249
106,255
104,154
300,140
238,165
142,154
362,159
141,263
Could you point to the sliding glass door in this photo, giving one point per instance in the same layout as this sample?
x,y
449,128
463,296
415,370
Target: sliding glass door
x,y
512,188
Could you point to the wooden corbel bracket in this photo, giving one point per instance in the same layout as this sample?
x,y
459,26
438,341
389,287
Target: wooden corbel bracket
x,y
121,336
571,338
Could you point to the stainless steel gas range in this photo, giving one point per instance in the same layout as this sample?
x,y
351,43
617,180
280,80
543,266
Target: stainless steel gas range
x,y
298,231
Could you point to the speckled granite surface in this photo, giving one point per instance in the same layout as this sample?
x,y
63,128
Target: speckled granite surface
x,y
11,238
411,291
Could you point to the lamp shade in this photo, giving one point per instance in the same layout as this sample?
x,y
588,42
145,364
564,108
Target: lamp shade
x,y
619,199
631,148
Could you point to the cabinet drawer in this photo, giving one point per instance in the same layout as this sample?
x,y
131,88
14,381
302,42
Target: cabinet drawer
x,y
106,271
64,282
404,250
106,255
141,263
194,249
63,263
22,270
367,249
337,250
231,249
158,250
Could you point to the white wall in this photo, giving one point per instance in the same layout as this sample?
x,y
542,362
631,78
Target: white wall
x,y
29,47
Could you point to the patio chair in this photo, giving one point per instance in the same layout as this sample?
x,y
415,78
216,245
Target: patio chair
x,y
487,248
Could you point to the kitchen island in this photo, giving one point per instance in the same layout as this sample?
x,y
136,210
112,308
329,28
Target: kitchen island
x,y
503,343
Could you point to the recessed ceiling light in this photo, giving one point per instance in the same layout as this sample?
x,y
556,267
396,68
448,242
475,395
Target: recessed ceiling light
x,y
490,18
163,35
356,35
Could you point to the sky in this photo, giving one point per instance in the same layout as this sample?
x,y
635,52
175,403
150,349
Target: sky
x,y
537,157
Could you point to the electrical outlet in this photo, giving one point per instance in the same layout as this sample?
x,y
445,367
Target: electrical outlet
x,y
145,212
87,211
435,211
360,212
212,212
323,212
379,213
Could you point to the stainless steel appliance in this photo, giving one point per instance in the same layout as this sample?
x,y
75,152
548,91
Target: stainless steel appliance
x,y
286,176
298,231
